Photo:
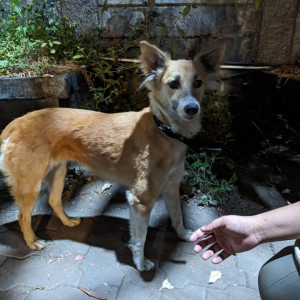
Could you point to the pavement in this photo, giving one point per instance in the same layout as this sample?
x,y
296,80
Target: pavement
x,y
92,260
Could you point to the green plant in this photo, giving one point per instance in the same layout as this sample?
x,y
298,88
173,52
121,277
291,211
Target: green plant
x,y
199,175
217,118
31,39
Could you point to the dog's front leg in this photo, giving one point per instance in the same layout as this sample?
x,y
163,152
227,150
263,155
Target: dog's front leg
x,y
171,197
139,219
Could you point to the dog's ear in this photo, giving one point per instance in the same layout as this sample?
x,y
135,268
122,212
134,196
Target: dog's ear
x,y
212,59
152,58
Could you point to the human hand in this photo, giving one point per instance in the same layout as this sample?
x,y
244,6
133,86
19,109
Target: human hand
x,y
229,235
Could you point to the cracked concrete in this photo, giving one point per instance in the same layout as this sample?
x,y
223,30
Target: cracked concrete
x,y
95,256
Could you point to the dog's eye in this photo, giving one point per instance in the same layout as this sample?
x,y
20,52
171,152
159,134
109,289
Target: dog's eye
x,y
197,84
174,84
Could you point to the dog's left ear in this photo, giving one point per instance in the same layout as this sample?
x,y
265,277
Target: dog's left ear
x,y
211,60
152,58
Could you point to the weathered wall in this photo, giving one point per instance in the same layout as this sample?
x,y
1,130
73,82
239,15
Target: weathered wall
x,y
269,34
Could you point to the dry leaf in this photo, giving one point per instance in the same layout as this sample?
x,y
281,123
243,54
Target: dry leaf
x,y
166,285
90,294
106,186
214,276
55,259
40,288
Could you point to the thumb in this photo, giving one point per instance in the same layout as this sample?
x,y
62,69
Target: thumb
x,y
217,223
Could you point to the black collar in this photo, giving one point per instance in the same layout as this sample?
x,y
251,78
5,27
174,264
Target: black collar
x,y
196,143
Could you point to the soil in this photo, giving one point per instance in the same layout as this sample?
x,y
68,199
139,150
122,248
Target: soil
x,y
48,71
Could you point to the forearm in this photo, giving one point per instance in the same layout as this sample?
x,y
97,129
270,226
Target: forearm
x,y
279,224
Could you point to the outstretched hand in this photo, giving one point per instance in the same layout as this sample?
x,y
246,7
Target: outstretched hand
x,y
227,235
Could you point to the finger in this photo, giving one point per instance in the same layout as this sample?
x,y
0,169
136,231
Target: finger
x,y
197,235
211,251
217,223
204,242
220,257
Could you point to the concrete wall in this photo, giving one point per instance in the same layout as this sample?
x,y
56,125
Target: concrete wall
x,y
269,34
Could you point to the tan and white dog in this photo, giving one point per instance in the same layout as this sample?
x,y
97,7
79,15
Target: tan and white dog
x,y
127,148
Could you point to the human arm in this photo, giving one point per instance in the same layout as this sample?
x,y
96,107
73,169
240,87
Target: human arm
x,y
234,234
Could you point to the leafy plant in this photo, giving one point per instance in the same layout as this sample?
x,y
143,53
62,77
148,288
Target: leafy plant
x,y
217,118
31,39
199,175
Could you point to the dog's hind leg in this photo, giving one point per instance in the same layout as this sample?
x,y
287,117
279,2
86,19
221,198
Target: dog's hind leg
x,y
25,203
55,180
139,219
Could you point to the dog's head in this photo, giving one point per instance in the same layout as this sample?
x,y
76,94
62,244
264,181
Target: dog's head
x,y
177,86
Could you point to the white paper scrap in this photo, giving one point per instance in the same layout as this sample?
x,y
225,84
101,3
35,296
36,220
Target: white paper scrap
x,y
166,285
214,276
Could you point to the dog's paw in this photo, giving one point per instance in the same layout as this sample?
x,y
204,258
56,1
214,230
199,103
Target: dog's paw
x,y
147,265
71,222
37,245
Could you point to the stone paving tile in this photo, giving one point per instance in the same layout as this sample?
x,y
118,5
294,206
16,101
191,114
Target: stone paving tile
x,y
58,293
63,292
18,293
78,233
66,249
251,262
37,271
141,286
101,268
12,244
195,271
277,246
195,216
3,228
2,259
191,292
232,293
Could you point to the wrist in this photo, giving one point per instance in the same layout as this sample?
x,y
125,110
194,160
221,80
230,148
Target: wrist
x,y
259,230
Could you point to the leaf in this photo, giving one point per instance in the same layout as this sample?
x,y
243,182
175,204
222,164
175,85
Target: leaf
x,y
213,202
52,51
56,42
286,191
257,3
77,56
214,276
186,11
180,31
195,165
55,259
233,178
151,4
44,45
195,180
166,285
106,186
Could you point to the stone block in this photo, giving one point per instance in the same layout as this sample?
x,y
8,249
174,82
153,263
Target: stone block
x,y
84,14
57,87
277,31
13,108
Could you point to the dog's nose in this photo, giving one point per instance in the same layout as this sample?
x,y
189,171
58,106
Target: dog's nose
x,y
191,109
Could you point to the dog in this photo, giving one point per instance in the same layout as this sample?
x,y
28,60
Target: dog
x,y
129,148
